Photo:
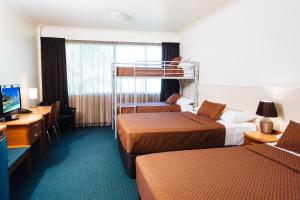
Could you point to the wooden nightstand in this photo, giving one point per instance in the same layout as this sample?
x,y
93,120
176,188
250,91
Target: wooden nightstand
x,y
256,137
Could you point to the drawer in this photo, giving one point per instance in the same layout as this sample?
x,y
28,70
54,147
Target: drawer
x,y
35,131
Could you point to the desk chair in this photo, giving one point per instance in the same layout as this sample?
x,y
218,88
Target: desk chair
x,y
52,122
66,116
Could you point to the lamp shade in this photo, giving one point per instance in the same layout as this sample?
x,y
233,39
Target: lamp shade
x,y
267,109
32,93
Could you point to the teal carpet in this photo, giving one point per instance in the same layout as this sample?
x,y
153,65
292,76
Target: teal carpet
x,y
85,166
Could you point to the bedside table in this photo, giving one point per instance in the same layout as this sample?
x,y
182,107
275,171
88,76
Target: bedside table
x,y
256,137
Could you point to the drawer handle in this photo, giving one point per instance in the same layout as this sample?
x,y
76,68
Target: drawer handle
x,y
36,135
36,125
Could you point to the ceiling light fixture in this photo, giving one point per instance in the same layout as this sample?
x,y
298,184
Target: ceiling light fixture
x,y
119,16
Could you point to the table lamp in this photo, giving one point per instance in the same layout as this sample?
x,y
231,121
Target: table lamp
x,y
32,95
266,109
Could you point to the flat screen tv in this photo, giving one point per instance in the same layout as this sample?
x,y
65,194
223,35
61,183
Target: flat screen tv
x,y
11,99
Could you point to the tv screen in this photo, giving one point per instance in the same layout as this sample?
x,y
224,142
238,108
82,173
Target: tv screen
x,y
11,98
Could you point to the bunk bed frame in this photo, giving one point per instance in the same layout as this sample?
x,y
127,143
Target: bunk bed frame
x,y
182,70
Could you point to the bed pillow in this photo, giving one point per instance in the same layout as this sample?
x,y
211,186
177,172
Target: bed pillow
x,y
290,140
211,110
173,98
186,108
175,62
184,101
234,116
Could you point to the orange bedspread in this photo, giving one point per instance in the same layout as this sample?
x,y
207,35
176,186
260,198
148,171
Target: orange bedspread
x,y
144,133
149,72
253,172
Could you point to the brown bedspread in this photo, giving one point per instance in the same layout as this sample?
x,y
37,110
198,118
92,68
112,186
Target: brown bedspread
x,y
148,107
143,133
149,72
251,172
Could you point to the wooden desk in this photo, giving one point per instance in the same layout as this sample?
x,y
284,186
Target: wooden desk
x,y
43,110
25,131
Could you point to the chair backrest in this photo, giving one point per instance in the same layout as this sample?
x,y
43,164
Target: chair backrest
x,y
54,113
46,103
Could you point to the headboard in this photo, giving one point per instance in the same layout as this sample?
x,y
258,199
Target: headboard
x,y
246,98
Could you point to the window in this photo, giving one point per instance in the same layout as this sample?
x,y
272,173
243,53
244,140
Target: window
x,y
89,66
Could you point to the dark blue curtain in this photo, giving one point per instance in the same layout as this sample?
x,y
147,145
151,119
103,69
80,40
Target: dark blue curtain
x,y
169,86
54,70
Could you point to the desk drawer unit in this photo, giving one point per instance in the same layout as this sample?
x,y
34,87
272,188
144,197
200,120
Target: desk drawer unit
x,y
35,131
24,134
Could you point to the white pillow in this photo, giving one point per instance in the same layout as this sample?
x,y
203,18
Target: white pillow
x,y
186,108
184,101
235,116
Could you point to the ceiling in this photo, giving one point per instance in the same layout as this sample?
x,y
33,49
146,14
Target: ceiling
x,y
154,15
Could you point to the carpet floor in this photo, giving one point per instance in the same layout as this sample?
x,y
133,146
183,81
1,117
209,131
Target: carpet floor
x,y
86,165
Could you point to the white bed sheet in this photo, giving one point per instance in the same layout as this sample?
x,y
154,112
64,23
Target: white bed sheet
x,y
235,132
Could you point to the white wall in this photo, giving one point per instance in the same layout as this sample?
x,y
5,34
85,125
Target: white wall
x,y
73,33
248,44
18,51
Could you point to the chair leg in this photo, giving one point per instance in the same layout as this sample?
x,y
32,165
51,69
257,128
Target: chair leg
x,y
49,138
56,133
57,128
73,124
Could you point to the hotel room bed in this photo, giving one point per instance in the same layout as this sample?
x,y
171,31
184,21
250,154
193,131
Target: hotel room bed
x,y
149,107
245,172
145,133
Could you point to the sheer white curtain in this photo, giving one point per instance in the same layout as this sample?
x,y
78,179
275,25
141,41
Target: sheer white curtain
x,y
89,81
89,66
146,89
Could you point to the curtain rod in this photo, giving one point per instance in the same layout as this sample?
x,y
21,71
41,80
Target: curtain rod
x,y
112,42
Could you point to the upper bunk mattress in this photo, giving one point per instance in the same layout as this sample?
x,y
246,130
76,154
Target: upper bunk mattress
x,y
248,172
149,72
149,107
143,133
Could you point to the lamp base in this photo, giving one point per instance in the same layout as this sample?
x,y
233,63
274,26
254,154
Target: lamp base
x,y
266,125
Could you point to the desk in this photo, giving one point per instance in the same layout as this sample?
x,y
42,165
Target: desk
x,y
43,110
25,131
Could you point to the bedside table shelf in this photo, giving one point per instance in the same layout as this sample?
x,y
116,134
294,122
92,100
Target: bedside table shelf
x,y
256,137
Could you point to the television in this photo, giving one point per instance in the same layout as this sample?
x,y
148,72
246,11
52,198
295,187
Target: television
x,y
10,101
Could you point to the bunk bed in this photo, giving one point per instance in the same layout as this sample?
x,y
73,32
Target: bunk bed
x,y
175,69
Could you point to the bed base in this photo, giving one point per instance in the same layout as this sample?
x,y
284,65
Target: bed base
x,y
128,160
